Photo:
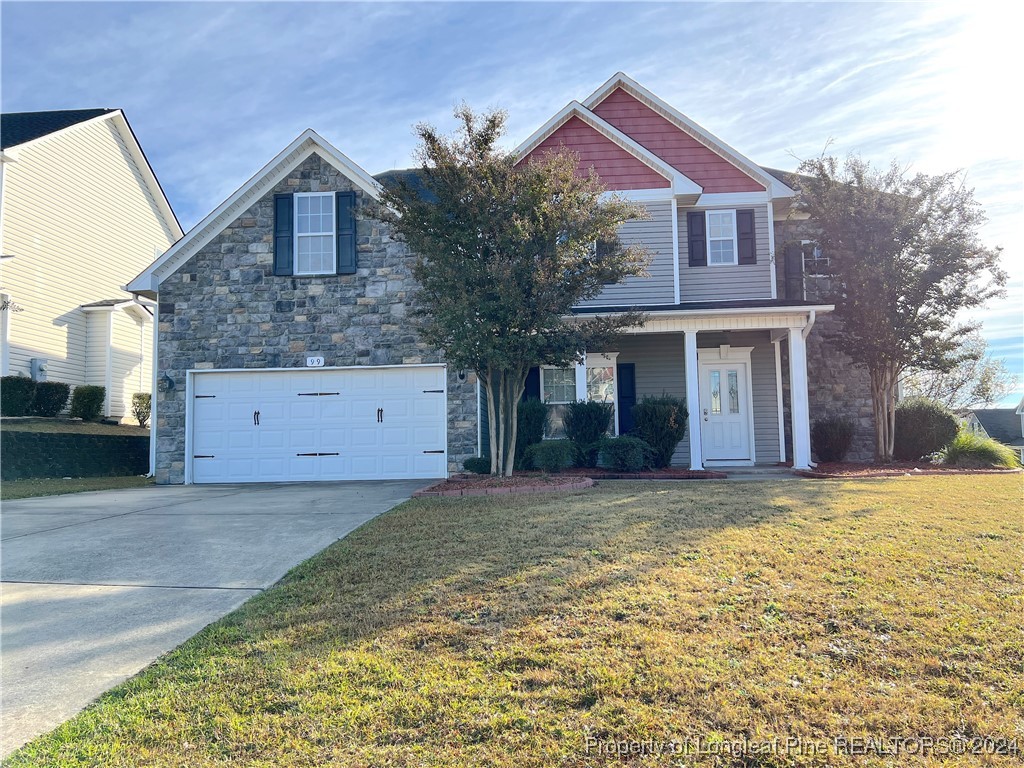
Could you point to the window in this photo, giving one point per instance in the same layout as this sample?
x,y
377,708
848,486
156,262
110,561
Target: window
x,y
721,226
558,388
814,262
315,235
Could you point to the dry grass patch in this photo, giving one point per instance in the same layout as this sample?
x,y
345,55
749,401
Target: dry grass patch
x,y
43,486
503,631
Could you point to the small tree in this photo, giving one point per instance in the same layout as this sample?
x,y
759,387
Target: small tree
x,y
506,250
904,258
977,380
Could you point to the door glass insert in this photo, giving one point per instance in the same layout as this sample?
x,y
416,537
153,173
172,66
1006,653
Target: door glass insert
x,y
601,384
734,392
716,392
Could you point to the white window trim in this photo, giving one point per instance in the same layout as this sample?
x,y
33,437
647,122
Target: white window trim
x,y
735,238
296,235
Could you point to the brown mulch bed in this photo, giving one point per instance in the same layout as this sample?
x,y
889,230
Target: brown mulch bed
x,y
669,473
485,485
896,469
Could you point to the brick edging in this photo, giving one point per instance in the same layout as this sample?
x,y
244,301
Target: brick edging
x,y
512,490
883,473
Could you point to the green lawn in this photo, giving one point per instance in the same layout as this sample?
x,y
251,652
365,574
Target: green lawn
x,y
23,489
504,631
73,426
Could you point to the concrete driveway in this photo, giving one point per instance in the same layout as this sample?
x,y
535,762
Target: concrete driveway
x,y
98,585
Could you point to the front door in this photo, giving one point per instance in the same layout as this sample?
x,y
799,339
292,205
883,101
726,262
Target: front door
x,y
725,411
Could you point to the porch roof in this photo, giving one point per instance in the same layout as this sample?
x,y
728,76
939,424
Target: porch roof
x,y
758,305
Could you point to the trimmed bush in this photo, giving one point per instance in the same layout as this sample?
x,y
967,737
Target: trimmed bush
x,y
51,398
552,455
626,453
531,421
87,402
142,402
16,395
478,465
831,438
661,423
975,452
922,428
586,423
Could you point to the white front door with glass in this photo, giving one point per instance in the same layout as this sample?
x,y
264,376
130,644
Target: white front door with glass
x,y
725,411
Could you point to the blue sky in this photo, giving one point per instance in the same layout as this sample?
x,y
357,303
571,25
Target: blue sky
x,y
214,90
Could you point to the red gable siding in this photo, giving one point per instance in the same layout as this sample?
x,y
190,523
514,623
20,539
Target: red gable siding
x,y
656,134
617,168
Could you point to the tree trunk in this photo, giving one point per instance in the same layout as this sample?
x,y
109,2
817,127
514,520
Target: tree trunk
x,y
504,388
883,402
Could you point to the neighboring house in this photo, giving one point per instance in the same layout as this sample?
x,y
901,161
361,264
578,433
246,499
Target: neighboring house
x,y
1003,424
296,271
81,212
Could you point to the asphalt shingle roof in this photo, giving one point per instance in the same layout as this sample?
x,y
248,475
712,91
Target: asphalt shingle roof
x,y
1003,424
19,127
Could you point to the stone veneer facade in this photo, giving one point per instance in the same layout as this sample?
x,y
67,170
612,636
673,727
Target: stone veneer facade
x,y
836,386
225,308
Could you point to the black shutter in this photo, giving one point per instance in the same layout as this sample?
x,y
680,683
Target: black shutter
x,y
793,263
747,239
532,390
696,235
284,236
627,396
346,232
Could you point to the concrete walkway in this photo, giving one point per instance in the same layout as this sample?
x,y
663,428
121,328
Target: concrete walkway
x,y
98,585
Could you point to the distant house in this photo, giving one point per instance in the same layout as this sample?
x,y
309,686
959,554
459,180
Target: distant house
x,y
81,213
1003,424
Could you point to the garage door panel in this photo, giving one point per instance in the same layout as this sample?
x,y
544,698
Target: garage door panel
x,y
299,415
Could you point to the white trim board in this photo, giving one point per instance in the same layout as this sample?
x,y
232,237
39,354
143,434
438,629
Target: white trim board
x,y
264,180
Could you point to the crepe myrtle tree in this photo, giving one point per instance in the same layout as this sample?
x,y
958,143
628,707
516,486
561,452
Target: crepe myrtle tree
x,y
504,253
905,259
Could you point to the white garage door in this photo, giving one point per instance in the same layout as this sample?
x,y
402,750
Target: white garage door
x,y
318,424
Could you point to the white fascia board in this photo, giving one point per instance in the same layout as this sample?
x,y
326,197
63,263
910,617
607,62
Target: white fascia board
x,y
308,142
108,307
673,115
822,308
680,183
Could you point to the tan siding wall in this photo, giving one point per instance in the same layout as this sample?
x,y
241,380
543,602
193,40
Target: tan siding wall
x,y
726,283
81,223
656,235
98,337
129,370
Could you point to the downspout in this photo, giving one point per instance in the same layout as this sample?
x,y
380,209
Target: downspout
x,y
153,393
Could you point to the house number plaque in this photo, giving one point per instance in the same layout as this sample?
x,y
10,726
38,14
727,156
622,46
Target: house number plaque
x,y
314,362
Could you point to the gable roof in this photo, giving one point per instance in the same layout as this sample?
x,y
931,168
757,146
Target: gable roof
x,y
19,129
776,187
22,127
1002,424
681,184
307,143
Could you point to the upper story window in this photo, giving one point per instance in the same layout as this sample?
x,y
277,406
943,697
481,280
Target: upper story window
x,y
315,235
721,237
815,262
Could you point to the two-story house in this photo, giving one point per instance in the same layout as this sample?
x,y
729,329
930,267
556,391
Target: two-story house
x,y
81,212
285,353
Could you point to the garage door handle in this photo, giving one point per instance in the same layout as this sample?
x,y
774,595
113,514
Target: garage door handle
x,y
380,415
256,418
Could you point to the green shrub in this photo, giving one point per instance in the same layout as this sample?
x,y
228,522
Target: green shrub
x,y
976,452
552,455
478,465
87,402
661,423
51,398
16,395
142,402
922,428
531,421
586,423
626,453
831,438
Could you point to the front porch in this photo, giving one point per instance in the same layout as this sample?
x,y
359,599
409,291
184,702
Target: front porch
x,y
734,369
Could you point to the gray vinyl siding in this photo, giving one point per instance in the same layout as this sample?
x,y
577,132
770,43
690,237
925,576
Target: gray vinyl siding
x,y
659,286
660,369
726,282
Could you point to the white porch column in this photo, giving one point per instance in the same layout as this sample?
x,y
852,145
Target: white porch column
x,y
799,402
693,399
581,379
